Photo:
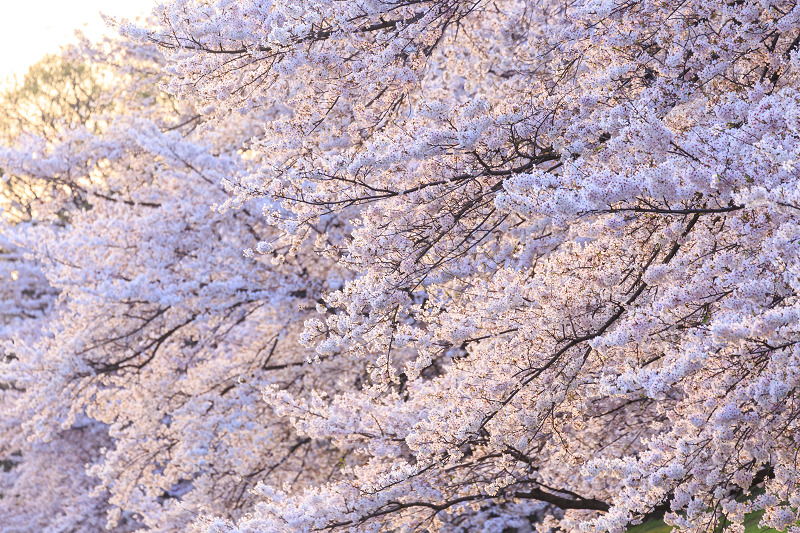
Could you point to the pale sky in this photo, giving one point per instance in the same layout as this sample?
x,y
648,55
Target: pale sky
x,y
29,29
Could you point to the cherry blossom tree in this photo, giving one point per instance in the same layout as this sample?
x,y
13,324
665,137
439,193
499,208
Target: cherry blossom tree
x,y
138,388
571,227
435,265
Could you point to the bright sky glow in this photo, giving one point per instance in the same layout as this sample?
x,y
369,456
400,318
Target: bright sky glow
x,y
29,29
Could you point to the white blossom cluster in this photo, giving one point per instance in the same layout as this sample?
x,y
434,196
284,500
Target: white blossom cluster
x,y
435,265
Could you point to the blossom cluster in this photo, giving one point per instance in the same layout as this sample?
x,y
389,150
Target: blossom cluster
x,y
507,266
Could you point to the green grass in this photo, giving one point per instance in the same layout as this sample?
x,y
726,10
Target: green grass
x,y
658,526
653,526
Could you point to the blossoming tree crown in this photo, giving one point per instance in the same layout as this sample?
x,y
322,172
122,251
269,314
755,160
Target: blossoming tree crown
x,y
430,265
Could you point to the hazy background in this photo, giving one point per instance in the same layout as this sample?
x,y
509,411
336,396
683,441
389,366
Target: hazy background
x,y
29,29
